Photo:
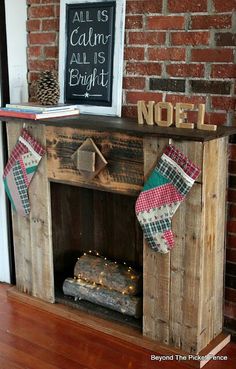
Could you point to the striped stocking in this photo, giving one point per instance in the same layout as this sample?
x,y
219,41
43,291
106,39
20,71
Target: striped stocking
x,y
162,194
19,171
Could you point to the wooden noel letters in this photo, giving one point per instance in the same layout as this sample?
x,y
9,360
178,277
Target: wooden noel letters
x,y
152,113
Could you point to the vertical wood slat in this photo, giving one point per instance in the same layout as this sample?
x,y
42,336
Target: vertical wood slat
x,y
21,230
185,260
213,202
32,235
222,175
156,266
40,227
191,246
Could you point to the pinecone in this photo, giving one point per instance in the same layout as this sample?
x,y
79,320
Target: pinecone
x,y
47,88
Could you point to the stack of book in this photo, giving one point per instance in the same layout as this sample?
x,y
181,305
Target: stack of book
x,y
35,111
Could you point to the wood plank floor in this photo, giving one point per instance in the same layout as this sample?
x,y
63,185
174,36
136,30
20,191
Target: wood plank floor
x,y
33,339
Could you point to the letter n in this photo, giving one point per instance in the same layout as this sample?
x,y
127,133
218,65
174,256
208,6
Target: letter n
x,y
145,112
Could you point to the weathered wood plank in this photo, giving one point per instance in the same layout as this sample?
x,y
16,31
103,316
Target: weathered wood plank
x,y
40,227
21,229
32,237
222,175
115,300
156,267
130,126
184,276
124,154
192,269
213,233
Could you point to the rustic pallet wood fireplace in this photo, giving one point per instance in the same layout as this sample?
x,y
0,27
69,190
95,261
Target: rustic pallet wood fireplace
x,y
182,290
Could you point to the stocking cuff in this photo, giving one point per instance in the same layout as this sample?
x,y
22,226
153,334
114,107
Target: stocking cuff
x,y
33,143
25,144
187,165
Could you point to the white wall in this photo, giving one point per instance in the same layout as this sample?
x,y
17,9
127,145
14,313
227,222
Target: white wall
x,y
16,15
4,257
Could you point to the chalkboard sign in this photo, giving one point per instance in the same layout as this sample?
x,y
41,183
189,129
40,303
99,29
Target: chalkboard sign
x,y
91,54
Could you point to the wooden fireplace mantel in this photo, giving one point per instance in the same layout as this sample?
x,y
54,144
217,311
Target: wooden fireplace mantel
x,y
183,290
130,126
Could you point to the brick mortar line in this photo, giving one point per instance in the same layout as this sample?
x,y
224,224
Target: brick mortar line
x,y
195,78
210,7
162,46
192,14
208,103
42,31
188,54
201,94
146,14
164,7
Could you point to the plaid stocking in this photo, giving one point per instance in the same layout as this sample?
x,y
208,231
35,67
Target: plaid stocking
x,y
19,171
162,194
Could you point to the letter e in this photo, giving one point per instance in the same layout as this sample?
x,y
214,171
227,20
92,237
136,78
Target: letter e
x,y
180,115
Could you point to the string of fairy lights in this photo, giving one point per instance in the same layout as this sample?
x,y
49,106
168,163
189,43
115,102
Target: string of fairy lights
x,y
108,266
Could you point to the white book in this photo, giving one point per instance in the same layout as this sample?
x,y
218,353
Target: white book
x,y
41,108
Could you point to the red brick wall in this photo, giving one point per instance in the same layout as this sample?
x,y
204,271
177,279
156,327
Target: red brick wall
x,y
176,51
43,34
181,50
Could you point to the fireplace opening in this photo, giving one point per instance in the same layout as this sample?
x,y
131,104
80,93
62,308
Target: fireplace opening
x,y
94,222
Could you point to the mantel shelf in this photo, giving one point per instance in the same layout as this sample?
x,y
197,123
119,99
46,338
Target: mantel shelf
x,y
130,126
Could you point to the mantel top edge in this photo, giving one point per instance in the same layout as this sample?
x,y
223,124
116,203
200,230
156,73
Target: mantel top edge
x,y
128,126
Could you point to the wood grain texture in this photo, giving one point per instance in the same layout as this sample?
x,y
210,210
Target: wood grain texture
x,y
220,250
130,126
214,209
40,228
156,267
185,273
106,297
182,299
124,154
22,240
59,336
185,260
32,237
188,285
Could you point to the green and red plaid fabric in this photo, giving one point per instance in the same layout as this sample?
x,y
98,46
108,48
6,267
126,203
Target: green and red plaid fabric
x,y
19,171
162,194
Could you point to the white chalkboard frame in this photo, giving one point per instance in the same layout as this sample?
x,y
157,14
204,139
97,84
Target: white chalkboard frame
x,y
115,109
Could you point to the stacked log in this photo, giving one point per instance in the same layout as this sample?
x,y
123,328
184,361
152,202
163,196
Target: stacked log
x,y
109,274
109,284
126,304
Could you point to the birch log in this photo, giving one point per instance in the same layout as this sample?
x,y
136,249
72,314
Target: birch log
x,y
126,304
116,276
